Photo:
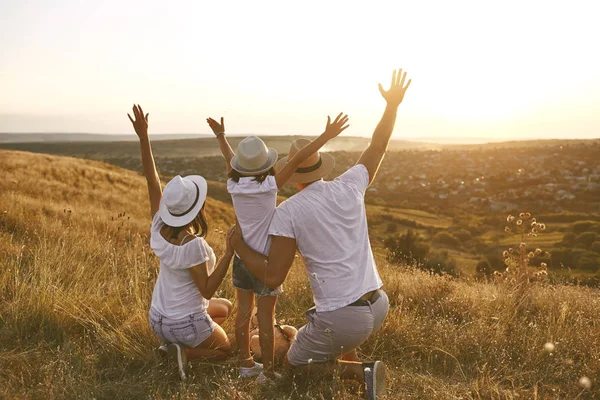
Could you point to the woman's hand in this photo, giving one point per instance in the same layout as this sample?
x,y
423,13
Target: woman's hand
x,y
234,235
338,126
141,122
395,94
215,126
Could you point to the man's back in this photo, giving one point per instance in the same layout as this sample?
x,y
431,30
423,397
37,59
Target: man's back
x,y
329,223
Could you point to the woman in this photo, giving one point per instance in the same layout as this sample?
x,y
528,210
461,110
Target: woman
x,y
182,312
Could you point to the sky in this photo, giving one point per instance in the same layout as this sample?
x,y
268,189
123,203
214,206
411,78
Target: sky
x,y
501,70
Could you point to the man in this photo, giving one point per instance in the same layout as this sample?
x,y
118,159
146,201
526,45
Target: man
x,y
327,223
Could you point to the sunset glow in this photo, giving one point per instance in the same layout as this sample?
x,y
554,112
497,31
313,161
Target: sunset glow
x,y
511,70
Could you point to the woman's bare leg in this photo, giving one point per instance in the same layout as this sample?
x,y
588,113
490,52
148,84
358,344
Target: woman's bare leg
x,y
219,310
245,304
266,313
216,347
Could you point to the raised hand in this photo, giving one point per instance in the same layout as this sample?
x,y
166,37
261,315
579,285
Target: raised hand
x,y
141,121
395,94
215,126
338,126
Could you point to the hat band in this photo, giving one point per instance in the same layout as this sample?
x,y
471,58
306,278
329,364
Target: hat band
x,y
246,170
311,168
193,205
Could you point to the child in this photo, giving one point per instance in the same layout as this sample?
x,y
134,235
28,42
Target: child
x,y
253,185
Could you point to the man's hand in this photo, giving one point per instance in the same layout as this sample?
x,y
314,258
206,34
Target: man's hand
x,y
215,126
338,126
395,94
141,122
234,235
228,245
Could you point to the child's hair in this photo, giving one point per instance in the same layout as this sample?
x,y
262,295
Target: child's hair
x,y
199,225
260,178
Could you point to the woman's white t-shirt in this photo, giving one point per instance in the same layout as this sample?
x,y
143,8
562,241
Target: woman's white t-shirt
x,y
254,204
175,294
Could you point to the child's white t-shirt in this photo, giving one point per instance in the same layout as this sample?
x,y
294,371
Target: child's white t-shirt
x,y
254,204
175,294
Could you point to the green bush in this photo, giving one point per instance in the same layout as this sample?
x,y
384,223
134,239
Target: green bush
x,y
441,263
585,239
584,226
463,235
447,239
595,247
406,247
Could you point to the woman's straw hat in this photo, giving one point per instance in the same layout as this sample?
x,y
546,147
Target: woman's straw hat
x,y
253,157
182,200
315,167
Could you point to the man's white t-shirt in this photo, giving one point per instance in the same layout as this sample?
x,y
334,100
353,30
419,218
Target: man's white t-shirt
x,y
329,222
254,204
175,294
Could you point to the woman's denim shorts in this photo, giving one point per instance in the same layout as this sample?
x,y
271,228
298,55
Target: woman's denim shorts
x,y
189,331
245,280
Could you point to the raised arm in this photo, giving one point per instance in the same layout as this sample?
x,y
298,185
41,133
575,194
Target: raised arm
x,y
140,124
208,284
219,131
271,270
331,130
372,156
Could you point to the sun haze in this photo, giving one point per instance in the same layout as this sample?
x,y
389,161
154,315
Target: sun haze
x,y
492,70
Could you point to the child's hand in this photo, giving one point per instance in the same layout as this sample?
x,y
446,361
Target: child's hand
x,y
215,126
334,129
141,122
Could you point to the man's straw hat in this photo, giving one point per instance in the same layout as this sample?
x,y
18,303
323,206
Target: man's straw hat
x,y
315,167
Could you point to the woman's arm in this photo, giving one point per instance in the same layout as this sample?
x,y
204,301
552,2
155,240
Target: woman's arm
x,y
331,130
219,131
208,284
141,129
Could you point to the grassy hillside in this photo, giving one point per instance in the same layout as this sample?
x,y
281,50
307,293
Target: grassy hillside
x,y
76,277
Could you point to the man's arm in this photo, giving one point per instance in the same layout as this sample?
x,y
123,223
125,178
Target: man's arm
x,y
271,270
331,130
140,125
372,156
219,131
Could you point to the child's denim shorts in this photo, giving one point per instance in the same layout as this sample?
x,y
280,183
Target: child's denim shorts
x,y
189,331
244,279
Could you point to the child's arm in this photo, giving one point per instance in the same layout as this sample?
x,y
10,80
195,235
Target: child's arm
x,y
219,131
141,129
331,130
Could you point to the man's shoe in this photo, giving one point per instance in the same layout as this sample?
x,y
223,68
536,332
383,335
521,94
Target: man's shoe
x,y
176,353
251,372
374,379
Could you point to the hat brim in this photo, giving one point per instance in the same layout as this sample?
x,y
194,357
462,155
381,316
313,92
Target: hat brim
x,y
272,159
327,164
176,222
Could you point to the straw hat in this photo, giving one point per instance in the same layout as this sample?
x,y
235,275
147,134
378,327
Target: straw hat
x,y
312,169
253,157
182,200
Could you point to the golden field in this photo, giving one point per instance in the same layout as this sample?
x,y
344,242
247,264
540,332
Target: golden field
x,y
76,279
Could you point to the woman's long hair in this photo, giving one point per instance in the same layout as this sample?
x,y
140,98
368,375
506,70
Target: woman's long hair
x,y
199,225
260,178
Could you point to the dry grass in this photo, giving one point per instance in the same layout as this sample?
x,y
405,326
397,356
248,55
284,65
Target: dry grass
x,y
75,289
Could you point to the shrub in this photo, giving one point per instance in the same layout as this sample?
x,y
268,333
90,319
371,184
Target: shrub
x,y
463,235
447,239
595,247
586,239
391,227
405,248
584,226
483,269
441,263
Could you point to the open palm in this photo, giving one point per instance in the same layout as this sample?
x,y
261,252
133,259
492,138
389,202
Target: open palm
x,y
333,129
395,94
140,124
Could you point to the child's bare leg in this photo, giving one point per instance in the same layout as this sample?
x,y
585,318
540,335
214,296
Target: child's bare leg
x,y
245,300
266,314
219,310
